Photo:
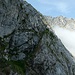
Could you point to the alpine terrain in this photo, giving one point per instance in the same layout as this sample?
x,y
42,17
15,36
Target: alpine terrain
x,y
64,28
28,46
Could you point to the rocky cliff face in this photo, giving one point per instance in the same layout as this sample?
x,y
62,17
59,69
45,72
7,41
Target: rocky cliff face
x,y
68,23
64,28
27,45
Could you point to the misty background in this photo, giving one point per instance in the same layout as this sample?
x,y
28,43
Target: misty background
x,y
67,37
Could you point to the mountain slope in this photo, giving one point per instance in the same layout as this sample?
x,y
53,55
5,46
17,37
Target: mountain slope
x,y
27,45
64,28
68,23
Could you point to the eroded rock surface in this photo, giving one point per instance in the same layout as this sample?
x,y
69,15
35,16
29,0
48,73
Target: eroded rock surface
x,y
68,23
27,45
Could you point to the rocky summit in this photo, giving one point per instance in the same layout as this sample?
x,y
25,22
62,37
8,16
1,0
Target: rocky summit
x,y
68,23
27,45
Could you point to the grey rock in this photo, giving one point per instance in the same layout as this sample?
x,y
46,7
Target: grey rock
x,y
30,45
68,23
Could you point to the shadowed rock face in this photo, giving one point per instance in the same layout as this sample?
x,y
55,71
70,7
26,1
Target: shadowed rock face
x,y
27,46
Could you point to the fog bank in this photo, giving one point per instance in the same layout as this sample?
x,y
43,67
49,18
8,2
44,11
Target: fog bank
x,y
67,37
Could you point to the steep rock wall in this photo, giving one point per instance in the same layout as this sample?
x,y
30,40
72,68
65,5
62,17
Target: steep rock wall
x,y
27,45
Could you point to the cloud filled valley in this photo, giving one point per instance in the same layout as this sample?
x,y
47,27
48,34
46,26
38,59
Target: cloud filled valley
x,y
67,37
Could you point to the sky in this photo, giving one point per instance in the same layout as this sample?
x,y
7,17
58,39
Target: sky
x,y
55,7
67,38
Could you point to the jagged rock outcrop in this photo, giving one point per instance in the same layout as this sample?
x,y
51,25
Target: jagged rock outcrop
x,y
27,45
68,23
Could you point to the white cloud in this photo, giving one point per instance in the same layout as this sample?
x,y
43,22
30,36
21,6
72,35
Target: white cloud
x,y
67,37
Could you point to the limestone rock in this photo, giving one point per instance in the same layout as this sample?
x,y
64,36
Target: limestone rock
x,y
27,45
68,23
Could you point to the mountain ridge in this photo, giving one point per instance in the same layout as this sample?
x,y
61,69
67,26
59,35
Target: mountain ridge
x,y
64,28
68,23
27,45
